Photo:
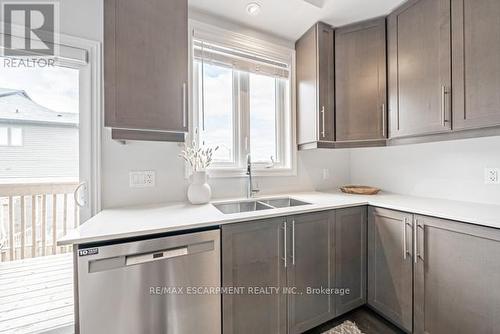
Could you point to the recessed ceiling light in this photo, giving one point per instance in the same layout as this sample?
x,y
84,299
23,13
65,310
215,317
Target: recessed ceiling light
x,y
253,8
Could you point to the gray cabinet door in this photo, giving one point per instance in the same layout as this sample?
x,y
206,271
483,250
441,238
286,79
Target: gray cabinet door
x,y
326,83
360,81
310,266
457,272
476,68
315,85
419,37
350,257
146,64
252,256
390,265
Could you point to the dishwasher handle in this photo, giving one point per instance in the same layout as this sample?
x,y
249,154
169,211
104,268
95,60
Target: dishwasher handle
x,y
126,255
131,260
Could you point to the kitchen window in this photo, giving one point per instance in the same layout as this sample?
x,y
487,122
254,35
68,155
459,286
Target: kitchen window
x,y
242,104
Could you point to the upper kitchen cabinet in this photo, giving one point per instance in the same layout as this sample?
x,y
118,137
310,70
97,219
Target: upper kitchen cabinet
x,y
419,49
315,87
146,65
476,65
360,83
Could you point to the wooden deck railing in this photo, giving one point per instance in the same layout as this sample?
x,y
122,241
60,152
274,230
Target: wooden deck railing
x,y
33,216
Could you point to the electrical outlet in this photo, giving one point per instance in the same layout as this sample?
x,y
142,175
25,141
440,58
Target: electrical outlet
x,y
492,175
142,179
326,174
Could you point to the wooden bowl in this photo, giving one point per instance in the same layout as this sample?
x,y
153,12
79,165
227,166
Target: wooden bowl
x,y
359,190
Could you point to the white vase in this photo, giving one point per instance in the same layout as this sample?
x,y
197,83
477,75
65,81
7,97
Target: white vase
x,y
199,191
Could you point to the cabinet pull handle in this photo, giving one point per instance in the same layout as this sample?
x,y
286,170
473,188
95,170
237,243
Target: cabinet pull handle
x,y
284,243
184,104
293,242
383,120
404,239
444,94
415,241
419,254
323,132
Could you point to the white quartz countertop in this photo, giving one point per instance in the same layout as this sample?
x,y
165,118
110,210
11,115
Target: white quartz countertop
x,y
119,223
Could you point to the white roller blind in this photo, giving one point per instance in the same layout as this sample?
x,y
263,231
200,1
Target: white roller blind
x,y
239,60
65,53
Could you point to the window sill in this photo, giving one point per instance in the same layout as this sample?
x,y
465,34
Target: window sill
x,y
216,173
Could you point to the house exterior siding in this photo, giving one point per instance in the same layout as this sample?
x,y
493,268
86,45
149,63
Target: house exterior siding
x,y
48,151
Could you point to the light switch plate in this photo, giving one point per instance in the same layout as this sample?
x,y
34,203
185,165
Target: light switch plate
x,y
492,175
142,179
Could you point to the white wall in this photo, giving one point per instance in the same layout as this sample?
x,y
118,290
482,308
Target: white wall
x,y
452,170
82,18
171,185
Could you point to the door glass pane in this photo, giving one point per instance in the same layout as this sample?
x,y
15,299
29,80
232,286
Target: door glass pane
x,y
263,118
39,122
41,107
216,110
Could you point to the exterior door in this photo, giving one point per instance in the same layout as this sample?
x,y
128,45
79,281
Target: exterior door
x,y
350,258
253,256
457,270
420,68
360,82
49,145
476,69
310,266
390,265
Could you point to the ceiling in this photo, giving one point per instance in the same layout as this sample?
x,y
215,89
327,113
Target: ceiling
x,y
289,19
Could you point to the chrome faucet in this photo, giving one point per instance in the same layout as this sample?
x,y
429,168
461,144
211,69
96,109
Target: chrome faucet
x,y
251,191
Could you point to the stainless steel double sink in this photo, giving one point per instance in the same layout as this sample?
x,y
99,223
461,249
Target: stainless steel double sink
x,y
258,205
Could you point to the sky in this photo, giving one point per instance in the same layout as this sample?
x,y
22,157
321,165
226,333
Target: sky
x,y
56,88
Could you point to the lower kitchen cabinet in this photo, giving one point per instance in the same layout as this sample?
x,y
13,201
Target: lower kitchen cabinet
x,y
452,267
457,271
309,252
350,257
253,256
390,265
310,266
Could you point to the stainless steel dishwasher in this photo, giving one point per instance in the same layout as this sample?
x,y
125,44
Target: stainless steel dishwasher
x,y
156,286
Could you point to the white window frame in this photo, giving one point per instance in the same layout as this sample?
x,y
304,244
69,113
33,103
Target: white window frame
x,y
287,152
91,120
11,144
9,136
